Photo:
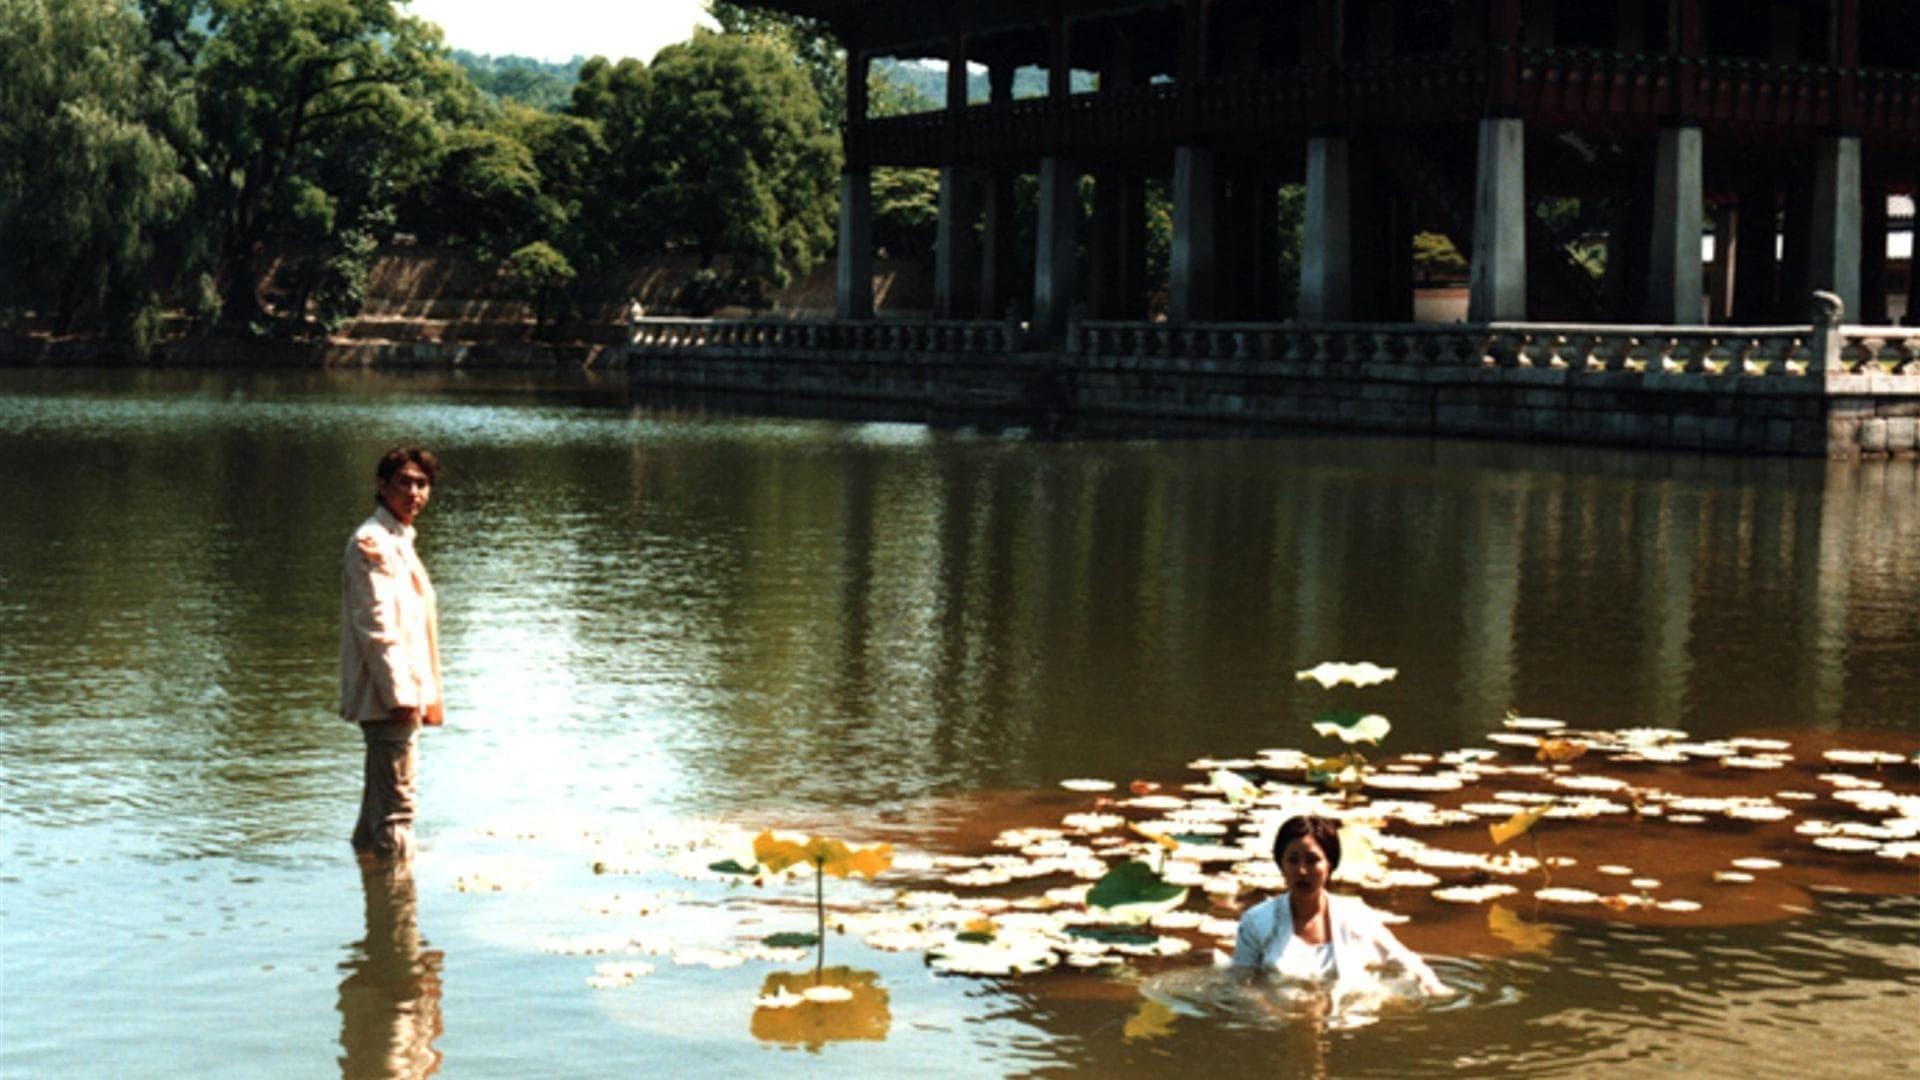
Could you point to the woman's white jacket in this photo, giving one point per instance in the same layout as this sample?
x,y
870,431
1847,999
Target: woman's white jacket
x,y
1363,947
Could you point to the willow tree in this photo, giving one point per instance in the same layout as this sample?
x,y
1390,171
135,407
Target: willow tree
x,y
94,144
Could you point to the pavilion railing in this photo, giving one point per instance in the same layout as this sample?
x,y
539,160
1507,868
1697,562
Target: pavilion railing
x,y
945,337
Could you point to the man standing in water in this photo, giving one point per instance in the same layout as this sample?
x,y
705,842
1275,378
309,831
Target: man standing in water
x,y
389,650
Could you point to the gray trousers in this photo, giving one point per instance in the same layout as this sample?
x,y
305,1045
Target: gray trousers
x,y
385,828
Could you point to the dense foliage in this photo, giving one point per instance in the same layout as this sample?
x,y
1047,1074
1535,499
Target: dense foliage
x,y
240,161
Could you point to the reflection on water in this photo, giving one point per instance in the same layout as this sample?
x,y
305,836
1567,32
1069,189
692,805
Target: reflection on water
x,y
649,616
816,1020
390,997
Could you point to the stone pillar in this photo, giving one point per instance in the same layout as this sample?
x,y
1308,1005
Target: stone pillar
x,y
998,258
1834,263
1726,252
1673,280
956,247
1757,222
1190,289
853,272
1913,264
1326,249
1499,275
1056,268
956,250
1116,246
1873,256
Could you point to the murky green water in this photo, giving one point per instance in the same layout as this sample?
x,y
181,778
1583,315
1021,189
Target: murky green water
x,y
652,617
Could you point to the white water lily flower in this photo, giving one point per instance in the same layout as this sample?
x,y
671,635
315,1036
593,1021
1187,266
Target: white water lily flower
x,y
1513,738
1732,877
1757,812
1532,723
1447,781
1332,673
1088,823
1759,764
1847,844
1755,862
1003,956
1682,906
1645,883
827,995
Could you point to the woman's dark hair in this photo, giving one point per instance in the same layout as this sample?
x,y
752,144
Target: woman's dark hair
x,y
401,455
1324,832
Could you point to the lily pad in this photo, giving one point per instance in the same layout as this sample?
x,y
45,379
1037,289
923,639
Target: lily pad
x,y
791,940
1134,893
1352,726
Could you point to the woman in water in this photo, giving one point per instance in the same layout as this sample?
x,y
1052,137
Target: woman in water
x,y
1307,933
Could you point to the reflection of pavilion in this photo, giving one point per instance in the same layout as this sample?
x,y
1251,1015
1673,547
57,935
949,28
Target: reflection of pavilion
x,y
1788,117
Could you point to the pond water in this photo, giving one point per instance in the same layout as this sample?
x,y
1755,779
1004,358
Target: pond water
x,y
657,621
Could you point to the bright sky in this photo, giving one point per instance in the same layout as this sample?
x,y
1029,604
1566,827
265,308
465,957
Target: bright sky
x,y
562,29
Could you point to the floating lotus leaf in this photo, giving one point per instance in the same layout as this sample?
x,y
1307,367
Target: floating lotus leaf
x,y
729,866
1332,673
1133,893
791,940
1352,726
1113,935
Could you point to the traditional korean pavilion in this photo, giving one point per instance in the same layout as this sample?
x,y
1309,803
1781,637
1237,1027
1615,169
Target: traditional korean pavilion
x,y
1785,124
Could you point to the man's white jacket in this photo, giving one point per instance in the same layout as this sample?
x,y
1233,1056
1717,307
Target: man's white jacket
x,y
389,625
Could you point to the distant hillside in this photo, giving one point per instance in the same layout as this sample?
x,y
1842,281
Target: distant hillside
x,y
546,85
538,83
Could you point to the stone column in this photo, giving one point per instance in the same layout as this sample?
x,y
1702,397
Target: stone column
x,y
1726,251
1499,274
1116,246
956,267
1873,256
853,272
1834,263
997,255
1673,280
1757,221
956,249
1190,291
1056,268
1326,249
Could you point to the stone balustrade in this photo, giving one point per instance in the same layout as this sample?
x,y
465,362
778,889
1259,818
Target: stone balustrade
x,y
1715,351
800,336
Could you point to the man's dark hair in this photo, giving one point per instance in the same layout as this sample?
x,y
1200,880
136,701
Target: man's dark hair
x,y
1324,832
401,455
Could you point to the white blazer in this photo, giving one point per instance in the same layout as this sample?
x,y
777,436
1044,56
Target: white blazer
x,y
1362,944
389,625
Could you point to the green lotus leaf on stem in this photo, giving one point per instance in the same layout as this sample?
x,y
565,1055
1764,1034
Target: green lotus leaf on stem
x,y
732,866
1113,935
1352,726
1133,893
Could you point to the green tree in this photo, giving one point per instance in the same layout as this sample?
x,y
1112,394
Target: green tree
x,y
745,158
810,41
536,270
314,114
93,177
